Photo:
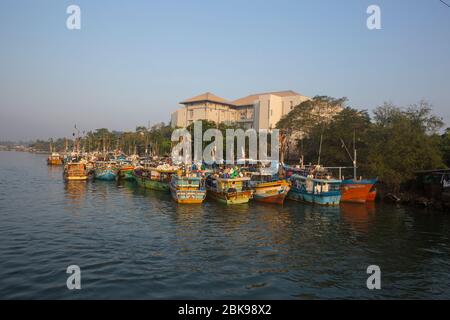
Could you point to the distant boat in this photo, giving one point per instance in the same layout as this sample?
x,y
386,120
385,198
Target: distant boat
x,y
75,171
153,178
187,189
229,190
315,186
54,159
268,188
105,171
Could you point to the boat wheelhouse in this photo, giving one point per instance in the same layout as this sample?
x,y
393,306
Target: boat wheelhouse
x,y
75,171
229,190
54,159
188,189
318,188
269,188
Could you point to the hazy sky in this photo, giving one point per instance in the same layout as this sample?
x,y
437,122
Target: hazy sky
x,y
133,61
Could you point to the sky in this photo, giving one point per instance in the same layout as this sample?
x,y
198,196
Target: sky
x,y
132,62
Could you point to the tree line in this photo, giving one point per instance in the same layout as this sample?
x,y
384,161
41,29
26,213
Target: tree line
x,y
153,141
392,144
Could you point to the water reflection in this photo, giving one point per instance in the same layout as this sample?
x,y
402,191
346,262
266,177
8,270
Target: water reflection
x,y
55,172
75,193
138,243
357,215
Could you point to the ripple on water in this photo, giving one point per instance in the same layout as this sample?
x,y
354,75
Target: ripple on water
x,y
134,243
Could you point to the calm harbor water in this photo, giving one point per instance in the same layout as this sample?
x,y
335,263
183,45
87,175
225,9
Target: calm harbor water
x,y
134,243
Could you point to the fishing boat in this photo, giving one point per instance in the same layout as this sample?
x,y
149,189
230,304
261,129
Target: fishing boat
x,y
187,189
268,188
315,185
358,191
54,159
125,171
154,178
229,190
104,170
75,171
371,197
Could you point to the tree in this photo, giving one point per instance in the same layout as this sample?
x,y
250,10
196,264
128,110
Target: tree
x,y
445,146
403,141
337,138
304,119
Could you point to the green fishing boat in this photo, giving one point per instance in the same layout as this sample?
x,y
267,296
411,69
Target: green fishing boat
x,y
126,171
152,178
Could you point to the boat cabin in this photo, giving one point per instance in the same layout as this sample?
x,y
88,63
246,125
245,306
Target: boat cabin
x,y
228,185
309,184
187,183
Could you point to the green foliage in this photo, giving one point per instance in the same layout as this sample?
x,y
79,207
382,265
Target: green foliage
x,y
309,113
337,140
393,146
445,146
403,142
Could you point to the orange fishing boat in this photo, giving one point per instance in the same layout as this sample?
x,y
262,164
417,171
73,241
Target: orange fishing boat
x,y
358,191
372,194
268,189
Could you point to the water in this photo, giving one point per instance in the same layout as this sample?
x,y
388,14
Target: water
x,y
134,243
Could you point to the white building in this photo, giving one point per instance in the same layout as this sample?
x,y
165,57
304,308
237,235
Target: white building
x,y
258,111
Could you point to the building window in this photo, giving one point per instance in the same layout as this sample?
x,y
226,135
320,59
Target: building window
x,y
191,113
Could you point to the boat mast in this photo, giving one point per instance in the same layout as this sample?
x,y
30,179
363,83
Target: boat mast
x,y
320,149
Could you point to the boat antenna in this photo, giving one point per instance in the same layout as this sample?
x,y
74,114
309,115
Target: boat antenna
x,y
353,159
346,149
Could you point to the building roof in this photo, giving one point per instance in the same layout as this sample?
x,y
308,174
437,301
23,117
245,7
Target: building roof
x,y
248,100
208,96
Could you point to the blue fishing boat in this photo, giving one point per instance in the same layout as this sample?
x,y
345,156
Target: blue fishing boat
x,y
105,171
315,186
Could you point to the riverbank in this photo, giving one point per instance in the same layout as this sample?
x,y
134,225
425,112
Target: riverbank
x,y
415,195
